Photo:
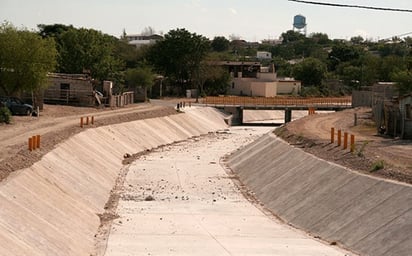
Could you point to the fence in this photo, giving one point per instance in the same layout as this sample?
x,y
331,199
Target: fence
x,y
278,101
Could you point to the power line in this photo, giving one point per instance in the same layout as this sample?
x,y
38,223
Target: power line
x,y
353,6
401,35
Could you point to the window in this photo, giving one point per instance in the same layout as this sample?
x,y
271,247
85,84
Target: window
x,y
64,90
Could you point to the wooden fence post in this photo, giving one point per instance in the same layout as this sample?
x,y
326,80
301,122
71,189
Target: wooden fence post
x,y
352,143
345,140
339,137
30,143
38,141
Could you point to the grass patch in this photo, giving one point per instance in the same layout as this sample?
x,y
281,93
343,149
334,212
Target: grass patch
x,y
362,148
378,165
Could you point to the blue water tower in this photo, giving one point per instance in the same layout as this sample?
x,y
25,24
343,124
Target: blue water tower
x,y
299,23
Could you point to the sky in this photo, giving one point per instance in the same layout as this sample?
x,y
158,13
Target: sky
x,y
246,19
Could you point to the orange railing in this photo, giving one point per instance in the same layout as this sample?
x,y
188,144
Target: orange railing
x,y
278,101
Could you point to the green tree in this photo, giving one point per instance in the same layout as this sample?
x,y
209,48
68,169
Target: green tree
x,y
179,55
55,30
25,60
220,44
310,71
403,81
141,77
88,49
344,52
292,36
320,38
357,40
217,81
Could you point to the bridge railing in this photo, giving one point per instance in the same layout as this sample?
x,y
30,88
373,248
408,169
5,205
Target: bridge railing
x,y
278,101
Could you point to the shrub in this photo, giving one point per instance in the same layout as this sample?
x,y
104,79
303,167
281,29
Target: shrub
x,y
378,165
5,115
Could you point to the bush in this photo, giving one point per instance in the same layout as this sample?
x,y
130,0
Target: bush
x,y
378,165
5,115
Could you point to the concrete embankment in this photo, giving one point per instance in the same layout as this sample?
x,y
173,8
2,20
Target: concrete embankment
x,y
368,215
52,207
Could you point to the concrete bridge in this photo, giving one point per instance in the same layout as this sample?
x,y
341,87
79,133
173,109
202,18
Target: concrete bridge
x,y
235,105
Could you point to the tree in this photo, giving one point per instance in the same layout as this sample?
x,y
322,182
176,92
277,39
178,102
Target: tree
x,y
142,77
344,52
403,81
292,36
216,82
310,71
179,55
88,49
357,40
320,38
54,30
148,31
220,44
25,60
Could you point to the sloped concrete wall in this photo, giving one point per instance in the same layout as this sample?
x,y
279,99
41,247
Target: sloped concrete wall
x,y
51,208
368,215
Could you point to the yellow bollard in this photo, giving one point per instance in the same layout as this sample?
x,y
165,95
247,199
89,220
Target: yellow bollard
x,y
332,135
339,137
345,140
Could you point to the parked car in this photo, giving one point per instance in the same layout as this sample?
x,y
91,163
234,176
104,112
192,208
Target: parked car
x,y
16,106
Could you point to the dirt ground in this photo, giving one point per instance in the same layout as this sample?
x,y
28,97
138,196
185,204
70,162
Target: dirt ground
x,y
57,123
374,154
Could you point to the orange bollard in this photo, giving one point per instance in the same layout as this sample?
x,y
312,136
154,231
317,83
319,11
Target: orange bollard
x,y
352,143
34,140
87,120
345,140
332,135
81,122
38,141
30,144
92,121
339,137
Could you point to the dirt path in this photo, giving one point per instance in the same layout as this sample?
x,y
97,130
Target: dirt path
x,y
57,123
312,133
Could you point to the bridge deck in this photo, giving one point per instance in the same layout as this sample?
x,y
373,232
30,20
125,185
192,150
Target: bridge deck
x,y
279,102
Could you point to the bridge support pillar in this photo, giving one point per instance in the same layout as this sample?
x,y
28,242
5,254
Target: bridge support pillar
x,y
288,115
237,115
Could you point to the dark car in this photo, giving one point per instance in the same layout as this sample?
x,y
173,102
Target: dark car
x,y
16,106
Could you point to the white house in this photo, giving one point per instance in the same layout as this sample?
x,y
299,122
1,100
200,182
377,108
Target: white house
x,y
262,55
140,40
264,84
